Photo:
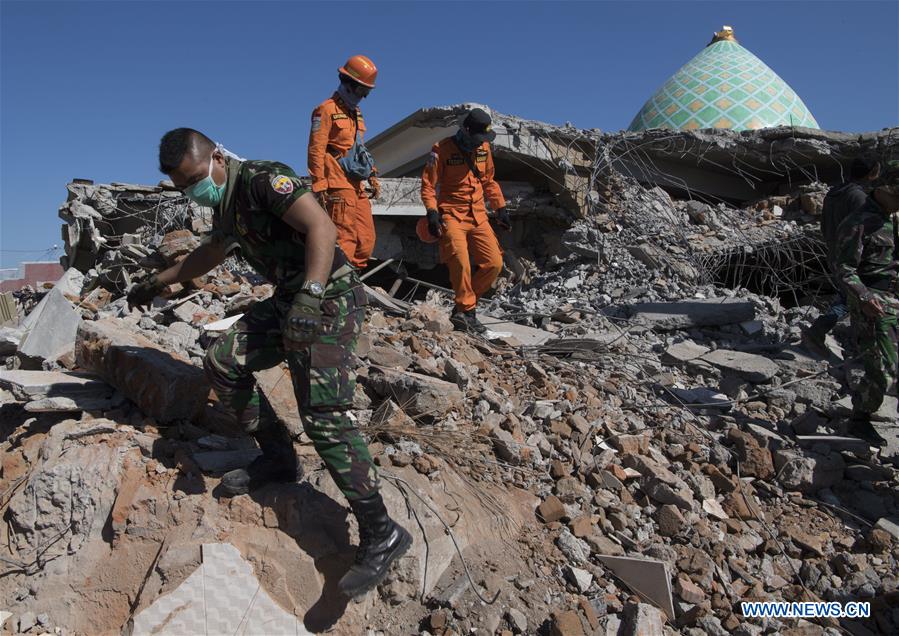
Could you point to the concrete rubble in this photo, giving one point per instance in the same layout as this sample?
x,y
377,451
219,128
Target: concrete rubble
x,y
640,445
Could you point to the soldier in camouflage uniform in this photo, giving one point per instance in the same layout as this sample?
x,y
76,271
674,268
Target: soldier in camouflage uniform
x,y
867,264
312,320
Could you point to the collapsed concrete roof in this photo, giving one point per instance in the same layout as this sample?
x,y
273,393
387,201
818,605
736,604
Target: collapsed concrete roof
x,y
711,164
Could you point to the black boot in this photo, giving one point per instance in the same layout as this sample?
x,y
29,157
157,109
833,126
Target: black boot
x,y
277,464
381,542
860,426
473,321
466,321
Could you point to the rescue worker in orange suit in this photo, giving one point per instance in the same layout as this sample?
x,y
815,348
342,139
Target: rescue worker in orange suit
x,y
456,180
337,125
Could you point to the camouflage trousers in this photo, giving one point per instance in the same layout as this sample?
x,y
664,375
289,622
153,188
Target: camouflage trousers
x,y
323,377
878,339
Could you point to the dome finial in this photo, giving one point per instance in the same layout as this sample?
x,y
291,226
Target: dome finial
x,y
726,34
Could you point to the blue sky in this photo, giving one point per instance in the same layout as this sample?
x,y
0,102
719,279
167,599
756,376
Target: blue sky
x,y
88,88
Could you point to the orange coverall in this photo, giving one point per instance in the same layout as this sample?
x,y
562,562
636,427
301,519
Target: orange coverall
x,y
333,133
449,186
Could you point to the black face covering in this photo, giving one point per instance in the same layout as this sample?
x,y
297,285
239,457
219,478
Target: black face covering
x,y
466,143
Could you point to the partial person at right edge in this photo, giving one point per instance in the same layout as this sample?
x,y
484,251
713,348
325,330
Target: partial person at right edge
x,y
841,201
867,263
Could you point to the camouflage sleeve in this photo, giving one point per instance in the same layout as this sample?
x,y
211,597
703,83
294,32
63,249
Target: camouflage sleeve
x,y
276,188
218,235
849,248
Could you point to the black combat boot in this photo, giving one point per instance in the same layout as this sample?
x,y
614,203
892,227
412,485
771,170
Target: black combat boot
x,y
277,464
860,426
381,542
473,321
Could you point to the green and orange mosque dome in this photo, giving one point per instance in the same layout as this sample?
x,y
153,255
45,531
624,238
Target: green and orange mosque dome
x,y
724,86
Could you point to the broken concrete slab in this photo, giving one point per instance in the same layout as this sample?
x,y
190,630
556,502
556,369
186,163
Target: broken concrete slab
x,y
708,398
418,395
37,385
808,472
836,442
648,578
62,404
527,336
52,333
165,386
70,283
685,351
222,596
712,312
749,366
889,524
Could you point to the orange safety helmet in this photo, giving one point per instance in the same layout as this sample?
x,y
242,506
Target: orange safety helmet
x,y
360,69
421,228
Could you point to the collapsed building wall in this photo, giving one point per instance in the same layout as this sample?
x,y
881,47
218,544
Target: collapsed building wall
x,y
708,206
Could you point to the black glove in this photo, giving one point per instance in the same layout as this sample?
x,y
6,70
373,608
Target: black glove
x,y
304,321
144,292
435,223
503,219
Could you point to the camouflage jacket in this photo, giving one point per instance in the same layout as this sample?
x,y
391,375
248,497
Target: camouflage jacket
x,y
257,195
867,253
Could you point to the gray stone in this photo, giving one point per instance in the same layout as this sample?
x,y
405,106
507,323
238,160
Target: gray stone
x,y
388,357
572,547
505,446
517,620
456,373
70,488
180,336
53,332
418,395
642,619
164,386
808,472
836,443
751,367
666,494
37,385
580,578
186,310
62,404
890,525
27,621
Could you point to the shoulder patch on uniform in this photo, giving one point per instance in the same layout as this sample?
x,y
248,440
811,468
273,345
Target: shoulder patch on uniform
x,y
432,158
316,124
339,116
282,184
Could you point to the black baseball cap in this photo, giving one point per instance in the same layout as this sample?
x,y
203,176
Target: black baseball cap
x,y
477,122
